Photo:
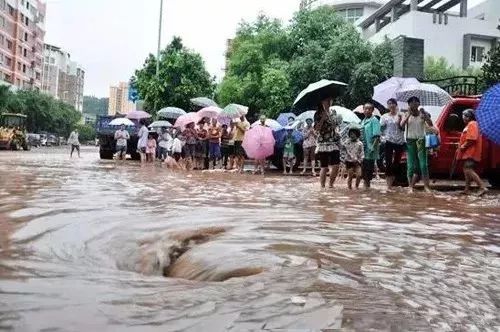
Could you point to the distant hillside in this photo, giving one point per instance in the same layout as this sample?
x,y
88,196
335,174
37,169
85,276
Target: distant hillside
x,y
94,105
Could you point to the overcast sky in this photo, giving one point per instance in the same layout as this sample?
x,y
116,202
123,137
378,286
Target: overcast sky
x,y
111,38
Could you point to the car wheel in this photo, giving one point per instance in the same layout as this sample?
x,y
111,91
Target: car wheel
x,y
103,154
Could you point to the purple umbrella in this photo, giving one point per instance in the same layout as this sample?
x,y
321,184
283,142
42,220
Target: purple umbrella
x,y
137,115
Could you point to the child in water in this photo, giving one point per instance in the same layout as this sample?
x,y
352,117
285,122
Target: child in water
x,y
289,152
354,157
151,148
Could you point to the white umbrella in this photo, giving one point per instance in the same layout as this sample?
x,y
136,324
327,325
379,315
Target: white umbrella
x,y
121,121
346,114
387,90
160,124
273,124
171,112
429,94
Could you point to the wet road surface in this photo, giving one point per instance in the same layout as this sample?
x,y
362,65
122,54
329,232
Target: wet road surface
x,y
90,245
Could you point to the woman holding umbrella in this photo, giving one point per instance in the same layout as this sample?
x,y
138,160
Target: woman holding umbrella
x,y
328,142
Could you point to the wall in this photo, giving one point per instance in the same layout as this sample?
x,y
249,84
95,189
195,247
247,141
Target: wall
x,y
440,40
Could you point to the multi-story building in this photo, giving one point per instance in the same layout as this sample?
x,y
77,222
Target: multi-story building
x,y
61,77
22,31
449,28
118,100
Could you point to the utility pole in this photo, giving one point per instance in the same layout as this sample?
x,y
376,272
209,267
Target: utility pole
x,y
159,40
158,51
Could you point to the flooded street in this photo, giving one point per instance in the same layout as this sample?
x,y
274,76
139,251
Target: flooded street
x,y
90,245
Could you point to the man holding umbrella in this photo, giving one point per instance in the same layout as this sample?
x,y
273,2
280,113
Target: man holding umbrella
x,y
121,137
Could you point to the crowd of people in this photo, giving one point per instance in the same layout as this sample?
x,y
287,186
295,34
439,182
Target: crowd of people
x,y
221,145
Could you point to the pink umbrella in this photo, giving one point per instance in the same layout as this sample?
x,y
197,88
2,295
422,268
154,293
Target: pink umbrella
x,y
259,142
210,112
137,115
185,119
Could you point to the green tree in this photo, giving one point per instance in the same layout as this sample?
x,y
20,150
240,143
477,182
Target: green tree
x,y
86,132
182,76
491,69
439,68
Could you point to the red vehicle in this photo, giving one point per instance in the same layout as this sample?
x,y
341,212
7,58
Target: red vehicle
x,y
450,124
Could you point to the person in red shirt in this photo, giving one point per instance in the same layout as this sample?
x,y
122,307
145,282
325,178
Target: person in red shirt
x,y
470,151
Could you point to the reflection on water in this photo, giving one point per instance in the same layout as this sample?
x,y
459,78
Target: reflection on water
x,y
86,245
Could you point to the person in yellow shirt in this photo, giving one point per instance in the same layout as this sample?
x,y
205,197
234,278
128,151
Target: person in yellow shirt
x,y
240,129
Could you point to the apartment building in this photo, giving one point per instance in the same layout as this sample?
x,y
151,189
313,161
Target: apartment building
x,y
118,100
22,32
62,78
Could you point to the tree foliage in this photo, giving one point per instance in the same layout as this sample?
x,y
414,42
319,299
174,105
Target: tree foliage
x,y
94,105
86,132
182,76
491,69
439,68
43,111
269,64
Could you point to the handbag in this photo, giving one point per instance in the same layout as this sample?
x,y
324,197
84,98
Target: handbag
x,y
432,141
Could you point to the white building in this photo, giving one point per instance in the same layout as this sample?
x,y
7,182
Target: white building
x,y
351,10
463,37
62,78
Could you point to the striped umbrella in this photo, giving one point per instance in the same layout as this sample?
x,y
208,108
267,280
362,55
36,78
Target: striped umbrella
x,y
429,94
234,111
203,102
488,114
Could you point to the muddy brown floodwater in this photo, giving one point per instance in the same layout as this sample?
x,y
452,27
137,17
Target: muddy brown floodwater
x,y
90,245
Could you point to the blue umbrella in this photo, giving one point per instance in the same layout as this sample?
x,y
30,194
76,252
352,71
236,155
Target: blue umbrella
x,y
283,118
488,114
280,136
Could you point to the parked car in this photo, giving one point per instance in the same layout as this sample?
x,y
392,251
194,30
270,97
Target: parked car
x,y
43,139
34,139
52,140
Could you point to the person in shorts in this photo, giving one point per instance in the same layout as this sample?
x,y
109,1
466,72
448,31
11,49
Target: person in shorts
x,y
164,143
354,155
74,142
227,149
289,152
143,140
214,136
469,152
309,146
191,138
328,141
121,137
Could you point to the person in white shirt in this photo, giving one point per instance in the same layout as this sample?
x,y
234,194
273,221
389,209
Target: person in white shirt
x,y
164,142
74,142
121,137
143,140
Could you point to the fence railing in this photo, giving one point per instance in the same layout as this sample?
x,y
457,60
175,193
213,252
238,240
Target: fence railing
x,y
458,85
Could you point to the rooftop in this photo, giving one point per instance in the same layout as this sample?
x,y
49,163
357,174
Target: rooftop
x,y
399,7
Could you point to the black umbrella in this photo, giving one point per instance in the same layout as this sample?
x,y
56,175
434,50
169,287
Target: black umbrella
x,y
316,92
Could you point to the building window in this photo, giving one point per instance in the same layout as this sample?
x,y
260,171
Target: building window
x,y
8,61
24,69
11,10
2,39
1,59
27,21
9,45
27,5
25,53
2,21
3,4
477,54
19,66
351,14
26,36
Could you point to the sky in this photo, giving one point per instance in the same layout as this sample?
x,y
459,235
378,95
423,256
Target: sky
x,y
112,38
